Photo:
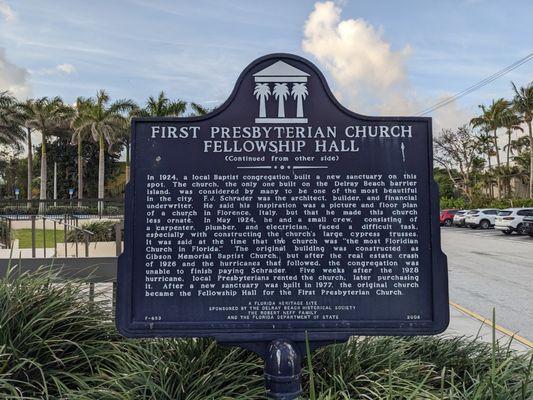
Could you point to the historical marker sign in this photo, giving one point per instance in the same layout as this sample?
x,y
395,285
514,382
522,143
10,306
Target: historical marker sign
x,y
281,213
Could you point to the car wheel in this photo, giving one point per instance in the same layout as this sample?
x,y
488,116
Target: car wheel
x,y
507,232
484,224
521,229
473,226
448,222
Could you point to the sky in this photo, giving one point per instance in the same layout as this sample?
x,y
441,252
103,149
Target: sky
x,y
380,57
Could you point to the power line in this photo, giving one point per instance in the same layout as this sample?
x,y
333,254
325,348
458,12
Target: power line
x,y
478,85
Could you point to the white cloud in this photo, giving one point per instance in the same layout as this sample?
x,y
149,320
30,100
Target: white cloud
x,y
371,77
6,12
66,68
13,78
357,56
450,116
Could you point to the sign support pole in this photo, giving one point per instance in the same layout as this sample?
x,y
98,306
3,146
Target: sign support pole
x,y
283,370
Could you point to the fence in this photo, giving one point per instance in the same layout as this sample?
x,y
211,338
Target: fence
x,y
88,268
82,208
68,225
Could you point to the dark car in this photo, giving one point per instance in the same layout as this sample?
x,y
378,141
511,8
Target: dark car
x,y
446,217
527,224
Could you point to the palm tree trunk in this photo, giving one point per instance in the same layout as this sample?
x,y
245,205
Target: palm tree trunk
x,y
498,177
530,159
42,189
508,148
101,173
80,171
30,166
491,189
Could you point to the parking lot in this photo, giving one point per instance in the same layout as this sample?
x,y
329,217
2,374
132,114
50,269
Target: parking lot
x,y
489,269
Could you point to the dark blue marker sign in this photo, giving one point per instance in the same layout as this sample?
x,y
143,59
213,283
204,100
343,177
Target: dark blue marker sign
x,y
282,213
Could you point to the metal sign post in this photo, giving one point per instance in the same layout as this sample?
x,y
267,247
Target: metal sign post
x,y
281,216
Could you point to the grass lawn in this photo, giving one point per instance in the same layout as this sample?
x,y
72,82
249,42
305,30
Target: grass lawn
x,y
24,237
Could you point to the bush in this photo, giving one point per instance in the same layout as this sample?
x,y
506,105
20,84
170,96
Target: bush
x,y
462,204
103,231
55,344
69,210
51,338
112,210
19,210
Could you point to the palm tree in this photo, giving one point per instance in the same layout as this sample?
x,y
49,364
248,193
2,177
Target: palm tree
x,y
523,105
198,109
104,122
281,92
299,92
491,120
77,139
11,133
262,92
164,107
486,145
50,117
511,122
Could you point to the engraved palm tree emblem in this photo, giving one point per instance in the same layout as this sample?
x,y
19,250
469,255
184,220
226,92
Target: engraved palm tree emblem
x,y
281,92
281,80
262,92
299,92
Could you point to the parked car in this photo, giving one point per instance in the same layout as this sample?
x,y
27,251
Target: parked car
x,y
511,220
482,218
459,218
446,217
528,225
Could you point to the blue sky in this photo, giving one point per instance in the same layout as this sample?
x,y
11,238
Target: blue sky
x,y
195,50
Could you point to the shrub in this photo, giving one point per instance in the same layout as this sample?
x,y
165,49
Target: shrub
x,y
112,210
19,210
55,344
103,231
51,338
69,210
461,203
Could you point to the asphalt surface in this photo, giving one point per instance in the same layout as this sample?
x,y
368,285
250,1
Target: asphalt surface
x,y
489,269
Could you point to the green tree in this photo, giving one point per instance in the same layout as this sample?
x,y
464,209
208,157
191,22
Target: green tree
x,y
486,146
523,105
490,120
50,117
11,133
162,106
77,138
198,109
105,122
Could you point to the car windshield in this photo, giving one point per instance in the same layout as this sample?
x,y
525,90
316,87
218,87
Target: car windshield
x,y
460,212
473,211
504,213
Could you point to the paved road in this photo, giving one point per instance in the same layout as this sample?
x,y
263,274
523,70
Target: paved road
x,y
489,269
